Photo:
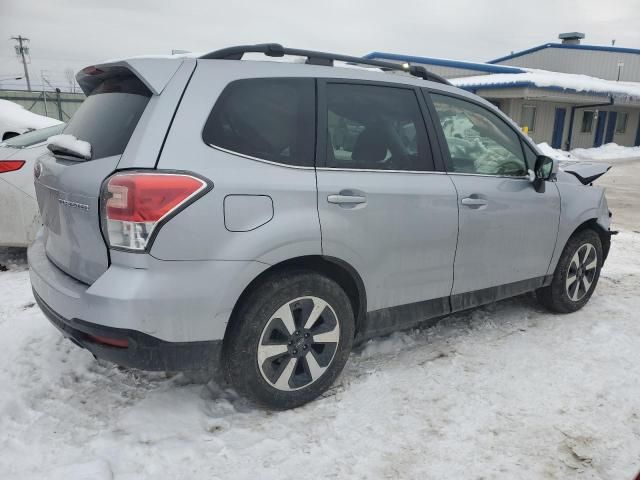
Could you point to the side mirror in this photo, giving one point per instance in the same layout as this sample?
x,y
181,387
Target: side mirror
x,y
545,168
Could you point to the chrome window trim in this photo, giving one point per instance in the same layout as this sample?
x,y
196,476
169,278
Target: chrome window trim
x,y
373,170
270,162
300,167
517,177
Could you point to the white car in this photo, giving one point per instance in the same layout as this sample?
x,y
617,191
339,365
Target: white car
x,y
19,216
16,120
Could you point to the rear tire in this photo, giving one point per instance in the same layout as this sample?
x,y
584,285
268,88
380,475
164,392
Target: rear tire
x,y
576,274
289,339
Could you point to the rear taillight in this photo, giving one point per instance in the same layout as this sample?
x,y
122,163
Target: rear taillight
x,y
10,165
134,204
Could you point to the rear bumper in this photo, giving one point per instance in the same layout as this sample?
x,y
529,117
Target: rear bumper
x,y
142,351
172,301
173,314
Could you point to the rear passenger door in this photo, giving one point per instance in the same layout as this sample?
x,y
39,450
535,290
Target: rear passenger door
x,y
508,228
383,208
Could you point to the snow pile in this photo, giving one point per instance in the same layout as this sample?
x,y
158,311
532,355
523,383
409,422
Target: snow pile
x,y
544,78
609,151
549,151
16,118
506,391
71,144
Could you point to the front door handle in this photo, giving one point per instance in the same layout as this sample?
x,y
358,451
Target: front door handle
x,y
474,202
346,199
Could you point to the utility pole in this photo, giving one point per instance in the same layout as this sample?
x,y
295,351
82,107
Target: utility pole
x,y
22,49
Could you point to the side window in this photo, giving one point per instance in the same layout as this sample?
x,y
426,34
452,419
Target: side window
x,y
375,127
479,141
267,118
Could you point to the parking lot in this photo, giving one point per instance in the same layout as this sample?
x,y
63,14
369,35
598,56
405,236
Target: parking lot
x,y
505,391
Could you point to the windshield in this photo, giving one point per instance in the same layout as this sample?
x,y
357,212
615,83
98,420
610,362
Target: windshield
x,y
34,137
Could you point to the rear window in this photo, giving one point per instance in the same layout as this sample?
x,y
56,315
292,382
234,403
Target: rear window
x,y
32,138
266,118
109,115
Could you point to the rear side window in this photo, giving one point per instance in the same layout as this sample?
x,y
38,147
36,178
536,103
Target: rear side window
x,y
266,118
109,115
375,128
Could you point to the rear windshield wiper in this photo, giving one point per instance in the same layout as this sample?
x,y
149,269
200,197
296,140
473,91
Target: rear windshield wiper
x,y
69,146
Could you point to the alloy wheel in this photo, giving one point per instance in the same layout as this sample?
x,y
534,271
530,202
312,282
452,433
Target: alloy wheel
x,y
582,272
298,343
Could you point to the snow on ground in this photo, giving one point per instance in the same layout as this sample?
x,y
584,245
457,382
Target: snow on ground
x,y
609,151
549,151
16,118
505,391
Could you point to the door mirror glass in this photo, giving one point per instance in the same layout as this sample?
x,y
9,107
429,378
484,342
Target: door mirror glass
x,y
545,167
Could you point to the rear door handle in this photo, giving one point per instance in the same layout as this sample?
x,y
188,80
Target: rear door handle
x,y
346,199
474,202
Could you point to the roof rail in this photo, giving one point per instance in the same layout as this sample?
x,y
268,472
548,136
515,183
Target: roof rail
x,y
320,58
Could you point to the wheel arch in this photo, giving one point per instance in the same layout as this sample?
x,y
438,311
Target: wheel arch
x,y
338,270
605,235
9,134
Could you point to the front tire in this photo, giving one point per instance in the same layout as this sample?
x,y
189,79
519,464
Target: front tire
x,y
576,274
289,339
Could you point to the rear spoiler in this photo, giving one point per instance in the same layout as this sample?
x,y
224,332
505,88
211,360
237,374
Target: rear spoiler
x,y
154,72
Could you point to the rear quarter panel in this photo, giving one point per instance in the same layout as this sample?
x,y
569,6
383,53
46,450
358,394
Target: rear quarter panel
x,y
199,231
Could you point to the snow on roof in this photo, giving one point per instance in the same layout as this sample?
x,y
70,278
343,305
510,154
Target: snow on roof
x,y
546,79
14,117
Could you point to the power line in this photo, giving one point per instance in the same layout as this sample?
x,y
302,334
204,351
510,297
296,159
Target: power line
x,y
22,49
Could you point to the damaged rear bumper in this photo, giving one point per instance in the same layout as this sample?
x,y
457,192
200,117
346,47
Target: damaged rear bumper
x,y
135,349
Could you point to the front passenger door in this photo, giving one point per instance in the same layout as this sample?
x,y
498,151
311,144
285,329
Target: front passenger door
x,y
508,229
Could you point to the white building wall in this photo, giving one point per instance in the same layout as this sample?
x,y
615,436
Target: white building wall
x,y
511,101
545,121
586,140
595,63
545,118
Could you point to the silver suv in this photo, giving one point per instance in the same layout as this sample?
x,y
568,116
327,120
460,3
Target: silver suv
x,y
268,215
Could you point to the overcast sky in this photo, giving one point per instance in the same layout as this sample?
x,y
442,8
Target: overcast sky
x,y
75,33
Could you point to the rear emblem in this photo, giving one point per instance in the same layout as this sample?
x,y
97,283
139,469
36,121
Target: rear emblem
x,y
67,203
37,170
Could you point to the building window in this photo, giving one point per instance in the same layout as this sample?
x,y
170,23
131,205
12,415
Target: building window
x,y
621,122
587,121
528,117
